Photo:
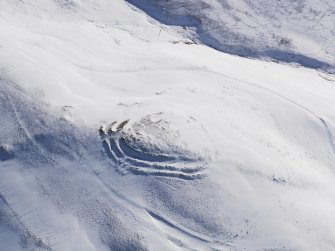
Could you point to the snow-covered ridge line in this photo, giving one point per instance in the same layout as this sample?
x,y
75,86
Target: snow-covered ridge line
x,y
299,32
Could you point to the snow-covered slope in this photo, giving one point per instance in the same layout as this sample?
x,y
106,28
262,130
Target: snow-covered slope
x,y
118,133
297,31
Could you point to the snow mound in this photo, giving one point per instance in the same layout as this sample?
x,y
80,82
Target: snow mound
x,y
151,147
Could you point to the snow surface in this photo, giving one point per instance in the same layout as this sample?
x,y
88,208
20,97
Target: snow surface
x,y
118,133
297,31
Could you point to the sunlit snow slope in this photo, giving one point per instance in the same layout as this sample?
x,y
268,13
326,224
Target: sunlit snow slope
x,y
119,133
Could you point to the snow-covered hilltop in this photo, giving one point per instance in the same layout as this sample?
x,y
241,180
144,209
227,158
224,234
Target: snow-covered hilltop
x,y
118,132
